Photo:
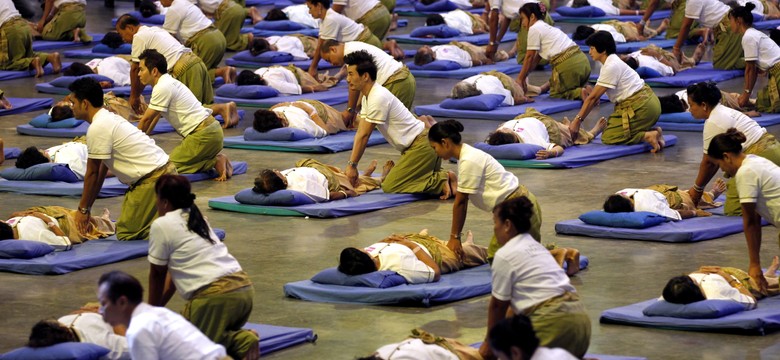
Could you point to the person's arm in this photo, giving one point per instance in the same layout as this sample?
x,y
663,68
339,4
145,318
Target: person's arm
x,y
496,312
339,8
684,30
750,82
492,47
93,181
341,194
48,7
459,210
751,222
148,120
556,151
529,63
315,59
161,287
502,30
651,6
135,88
51,224
591,101
707,169
364,131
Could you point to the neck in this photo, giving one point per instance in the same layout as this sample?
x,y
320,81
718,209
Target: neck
x,y
709,111
742,29
91,111
602,58
367,88
456,150
739,159
155,80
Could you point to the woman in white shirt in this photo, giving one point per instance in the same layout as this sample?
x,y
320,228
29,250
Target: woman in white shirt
x,y
761,54
526,277
186,256
713,14
570,67
636,106
481,179
315,118
704,100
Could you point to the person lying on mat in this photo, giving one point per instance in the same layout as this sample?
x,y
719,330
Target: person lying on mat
x,y
314,117
621,31
678,103
463,21
761,54
665,200
494,82
319,181
4,103
114,67
536,128
421,344
186,255
54,225
527,279
72,153
705,103
150,8
605,5
662,61
86,326
301,47
296,13
288,80
514,338
463,53
17,54
419,258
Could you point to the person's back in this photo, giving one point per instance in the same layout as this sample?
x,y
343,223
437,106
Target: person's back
x,y
92,329
72,153
479,174
758,181
114,67
453,53
339,27
459,20
178,103
281,79
396,123
150,37
385,64
300,14
297,118
723,118
185,20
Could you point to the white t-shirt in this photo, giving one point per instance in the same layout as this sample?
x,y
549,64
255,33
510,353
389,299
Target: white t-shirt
x,y
483,178
509,8
34,229
760,48
308,181
651,201
401,259
92,329
652,63
385,64
58,3
526,274
149,37
758,181
208,6
185,20
414,349
723,118
715,287
297,118
708,12
543,353
489,84
459,20
289,44
605,5
619,38
354,9
281,79
339,27
182,109
547,40
452,53
396,123
127,151
620,80
113,67
7,11
72,153
463,4
529,130
683,95
300,14
156,333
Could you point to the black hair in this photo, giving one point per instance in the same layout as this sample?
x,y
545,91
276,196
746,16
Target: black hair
x,y
178,191
582,32
61,112
518,211
77,69
447,129
148,8
268,181
259,45
532,8
501,138
706,92
423,57
435,19
328,44
728,142
428,2
517,331
355,262
618,204
6,231
31,156
325,3
49,332
602,41
632,62
742,12
120,284
248,77
275,15
127,20
682,290
112,39
154,60
671,104
266,120
774,34
87,89
364,62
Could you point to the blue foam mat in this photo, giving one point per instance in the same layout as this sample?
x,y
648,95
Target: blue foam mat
x,y
20,74
276,3
111,186
23,105
479,39
461,285
629,47
47,88
694,125
507,67
336,95
409,10
544,104
702,72
658,15
371,201
330,144
761,321
163,126
303,64
589,355
267,33
766,24
274,338
45,45
11,152
87,54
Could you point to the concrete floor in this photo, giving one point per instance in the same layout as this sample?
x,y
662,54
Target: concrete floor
x,y
277,250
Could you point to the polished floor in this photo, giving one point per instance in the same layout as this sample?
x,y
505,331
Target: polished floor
x,y
277,250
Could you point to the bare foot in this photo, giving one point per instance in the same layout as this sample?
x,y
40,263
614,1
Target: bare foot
x,y
224,168
450,186
572,259
35,64
230,75
231,119
599,127
76,32
423,232
699,53
386,169
370,169
719,187
586,90
772,269
106,214
428,120
56,62
4,103
469,238
652,139
660,136
254,14
394,23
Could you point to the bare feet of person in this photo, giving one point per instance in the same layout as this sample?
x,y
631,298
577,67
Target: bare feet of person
x,y
572,259
544,88
469,238
394,23
224,168
599,127
76,32
450,187
254,14
772,269
371,168
4,103
661,28
660,137
652,138
254,351
56,62
586,90
231,119
423,232
719,187
251,37
428,120
699,53
501,55
106,214
35,65
386,169
228,73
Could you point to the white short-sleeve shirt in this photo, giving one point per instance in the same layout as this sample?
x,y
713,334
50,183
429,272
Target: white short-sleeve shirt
x,y
650,201
300,14
483,178
7,11
544,353
385,64
72,153
401,259
489,84
185,20
620,79
758,10
289,44
182,109
526,274
459,20
208,6
92,329
339,27
452,53
605,5
652,63
415,349
463,4
760,48
509,8
58,3
34,229
396,123
308,181
617,36
529,130
281,79
113,67
298,118
708,12
149,37
127,151
715,287
547,40
723,118
354,9
758,181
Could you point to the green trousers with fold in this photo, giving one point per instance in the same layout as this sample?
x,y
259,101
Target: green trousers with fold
x,y
229,20
68,17
221,318
139,207
418,171
198,151
16,46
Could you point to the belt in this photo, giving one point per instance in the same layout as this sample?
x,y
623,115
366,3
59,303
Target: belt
x,y
565,55
197,34
154,174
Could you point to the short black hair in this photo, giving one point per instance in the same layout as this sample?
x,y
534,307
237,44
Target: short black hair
x,y
671,104
355,262
447,129
325,3
248,77
275,15
61,112
6,231
435,19
87,89
517,331
631,62
579,3
31,156
127,20
518,211
268,181
148,8
682,290
121,284
729,142
77,69
49,332
259,45
774,34
616,203
706,92
582,32
602,41
154,60
112,39
501,138
266,120
364,63
424,57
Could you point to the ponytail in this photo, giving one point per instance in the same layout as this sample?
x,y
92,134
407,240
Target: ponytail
x,y
178,191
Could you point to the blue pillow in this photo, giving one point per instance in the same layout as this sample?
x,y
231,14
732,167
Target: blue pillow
x,y
631,220
104,49
280,134
266,57
437,31
280,25
44,172
65,81
647,73
279,198
62,351
376,279
510,151
156,19
44,121
435,65
484,102
246,91
23,249
585,11
705,309
438,6
680,117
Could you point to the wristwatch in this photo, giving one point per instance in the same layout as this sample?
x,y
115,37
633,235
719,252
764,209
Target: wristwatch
x,y
492,43
351,110
85,210
352,163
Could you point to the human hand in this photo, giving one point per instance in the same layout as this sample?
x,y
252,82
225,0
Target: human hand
x,y
82,222
744,99
695,196
702,213
455,245
352,175
136,105
523,83
490,50
485,351
39,26
677,54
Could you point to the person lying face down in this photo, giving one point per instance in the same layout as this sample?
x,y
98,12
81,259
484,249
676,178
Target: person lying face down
x,y
288,80
666,200
605,5
72,153
678,102
621,31
314,117
319,181
86,326
114,67
494,82
54,225
460,20
301,47
661,60
463,53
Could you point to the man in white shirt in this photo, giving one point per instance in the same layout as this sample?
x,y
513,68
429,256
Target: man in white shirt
x,y
86,327
132,156
229,19
64,20
463,53
152,332
370,13
188,23
16,53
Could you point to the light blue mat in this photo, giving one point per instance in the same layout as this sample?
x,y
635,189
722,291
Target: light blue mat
x,y
336,95
544,104
702,72
87,54
20,74
11,152
480,39
267,33
329,144
275,338
686,122
629,47
507,67
45,45
23,105
658,15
